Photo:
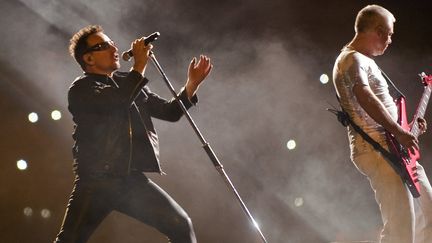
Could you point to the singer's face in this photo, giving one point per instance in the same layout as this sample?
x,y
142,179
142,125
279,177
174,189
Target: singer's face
x,y
103,55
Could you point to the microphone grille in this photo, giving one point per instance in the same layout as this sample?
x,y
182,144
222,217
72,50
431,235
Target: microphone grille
x,y
126,56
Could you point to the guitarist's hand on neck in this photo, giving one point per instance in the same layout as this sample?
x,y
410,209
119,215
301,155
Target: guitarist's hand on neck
x,y
422,125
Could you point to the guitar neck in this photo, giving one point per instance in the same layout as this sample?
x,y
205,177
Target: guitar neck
x,y
421,110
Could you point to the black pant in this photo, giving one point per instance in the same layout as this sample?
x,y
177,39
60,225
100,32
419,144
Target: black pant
x,y
92,199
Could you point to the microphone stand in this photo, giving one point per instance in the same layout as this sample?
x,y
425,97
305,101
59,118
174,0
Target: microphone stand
x,y
207,148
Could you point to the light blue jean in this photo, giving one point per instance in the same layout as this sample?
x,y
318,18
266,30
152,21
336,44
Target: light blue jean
x,y
405,219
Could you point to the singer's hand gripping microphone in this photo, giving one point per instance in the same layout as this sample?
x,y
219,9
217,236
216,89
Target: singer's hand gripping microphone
x,y
127,55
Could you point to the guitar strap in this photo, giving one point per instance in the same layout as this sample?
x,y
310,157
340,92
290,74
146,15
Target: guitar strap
x,y
344,118
395,91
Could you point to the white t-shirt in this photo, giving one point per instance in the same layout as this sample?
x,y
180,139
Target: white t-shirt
x,y
352,68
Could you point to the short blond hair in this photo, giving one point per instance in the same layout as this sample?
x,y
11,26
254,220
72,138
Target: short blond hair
x,y
369,16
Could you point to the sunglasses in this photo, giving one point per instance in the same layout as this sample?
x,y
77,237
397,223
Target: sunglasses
x,y
101,46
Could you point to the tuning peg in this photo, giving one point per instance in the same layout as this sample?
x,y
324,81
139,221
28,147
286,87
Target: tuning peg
x,y
422,74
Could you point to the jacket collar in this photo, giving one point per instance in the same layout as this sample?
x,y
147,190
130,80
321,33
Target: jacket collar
x,y
103,78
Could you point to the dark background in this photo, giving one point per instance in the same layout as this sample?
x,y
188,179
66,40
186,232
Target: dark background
x,y
264,90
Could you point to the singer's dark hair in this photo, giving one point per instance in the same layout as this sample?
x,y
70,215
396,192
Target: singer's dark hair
x,y
78,43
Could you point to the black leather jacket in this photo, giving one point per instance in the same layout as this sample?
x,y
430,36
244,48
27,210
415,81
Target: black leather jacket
x,y
114,133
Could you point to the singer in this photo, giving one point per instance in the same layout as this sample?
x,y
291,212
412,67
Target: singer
x,y
115,141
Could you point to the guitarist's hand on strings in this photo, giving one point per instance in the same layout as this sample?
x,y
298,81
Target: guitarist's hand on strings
x,y
407,139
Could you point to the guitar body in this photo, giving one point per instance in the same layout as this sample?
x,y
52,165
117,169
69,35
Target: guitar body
x,y
407,160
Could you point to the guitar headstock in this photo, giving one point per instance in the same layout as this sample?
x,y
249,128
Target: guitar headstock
x,y
426,79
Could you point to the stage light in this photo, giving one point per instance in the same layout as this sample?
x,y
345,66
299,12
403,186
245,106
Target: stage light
x,y
298,202
56,115
22,164
291,144
45,213
33,117
28,211
324,78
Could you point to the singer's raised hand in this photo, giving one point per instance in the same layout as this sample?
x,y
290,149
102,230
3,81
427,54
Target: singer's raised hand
x,y
197,72
141,54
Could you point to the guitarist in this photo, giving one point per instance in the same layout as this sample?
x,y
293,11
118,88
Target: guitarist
x,y
365,96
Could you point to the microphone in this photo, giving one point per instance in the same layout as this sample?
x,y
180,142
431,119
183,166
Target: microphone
x,y
126,56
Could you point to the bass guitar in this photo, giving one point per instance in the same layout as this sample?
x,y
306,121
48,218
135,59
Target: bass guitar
x,y
406,160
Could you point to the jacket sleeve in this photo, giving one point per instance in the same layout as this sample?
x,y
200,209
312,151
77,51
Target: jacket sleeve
x,y
89,95
158,107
